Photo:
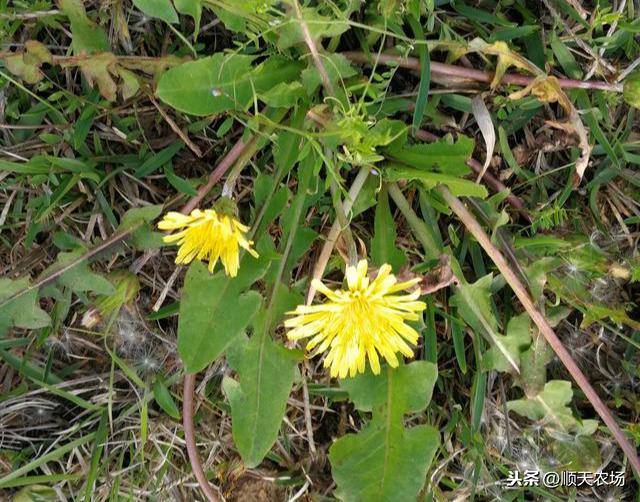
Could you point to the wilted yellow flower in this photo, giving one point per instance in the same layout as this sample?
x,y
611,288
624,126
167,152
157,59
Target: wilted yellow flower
x,y
366,320
208,235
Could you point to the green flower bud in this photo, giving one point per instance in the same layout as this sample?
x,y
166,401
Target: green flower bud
x,y
226,205
127,287
631,89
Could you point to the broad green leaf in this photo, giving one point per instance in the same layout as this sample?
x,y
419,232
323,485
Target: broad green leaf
x,y
579,454
266,371
631,90
139,215
320,26
517,339
571,288
209,85
239,15
457,186
552,406
386,461
215,310
440,156
258,403
596,312
435,163
338,69
383,245
300,245
222,82
537,274
87,36
283,95
287,147
367,196
274,206
551,403
23,311
474,305
533,365
139,219
161,9
263,186
192,8
74,273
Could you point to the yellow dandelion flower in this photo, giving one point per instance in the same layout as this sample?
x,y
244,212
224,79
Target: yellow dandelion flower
x,y
366,320
208,235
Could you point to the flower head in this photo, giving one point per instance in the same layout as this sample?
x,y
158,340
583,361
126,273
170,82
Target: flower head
x,y
208,235
365,320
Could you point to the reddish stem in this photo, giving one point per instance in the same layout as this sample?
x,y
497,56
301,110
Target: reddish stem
x,y
189,380
223,166
460,72
190,437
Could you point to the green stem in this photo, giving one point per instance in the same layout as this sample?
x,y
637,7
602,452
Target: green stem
x,y
252,146
418,226
345,229
325,253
